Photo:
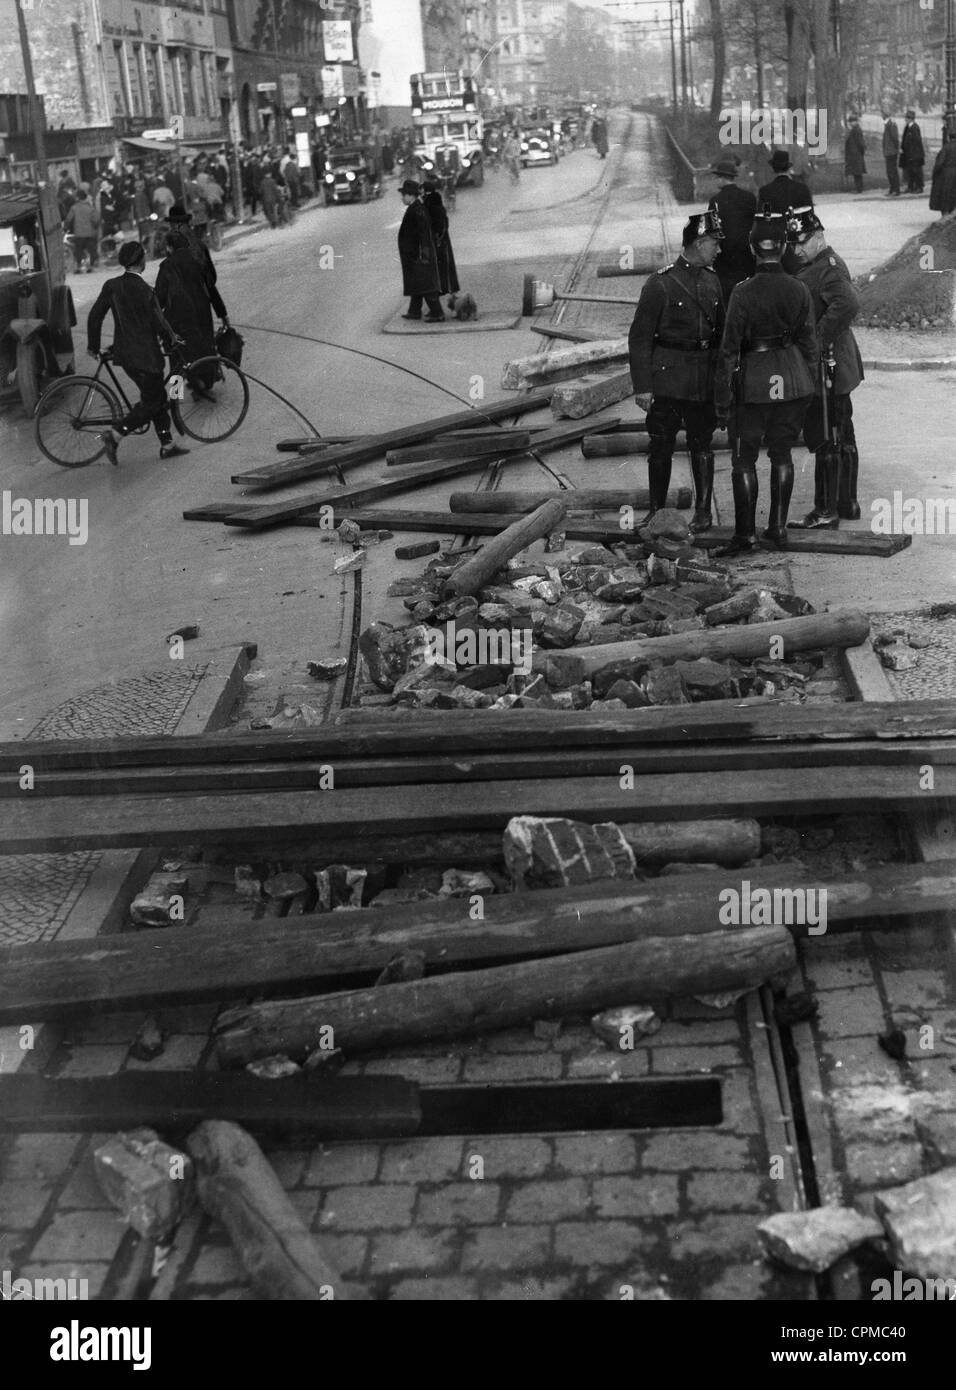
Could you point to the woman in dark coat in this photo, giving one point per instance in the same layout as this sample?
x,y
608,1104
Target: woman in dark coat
x,y
854,151
942,197
599,136
188,297
438,219
416,250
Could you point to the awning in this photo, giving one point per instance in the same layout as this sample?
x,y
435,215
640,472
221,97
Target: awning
x,y
167,147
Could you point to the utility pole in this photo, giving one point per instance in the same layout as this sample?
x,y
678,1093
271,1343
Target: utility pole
x,y
949,113
673,59
36,115
683,66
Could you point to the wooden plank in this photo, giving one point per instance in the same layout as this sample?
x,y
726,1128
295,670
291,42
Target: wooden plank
x,y
60,824
614,271
577,526
515,764
562,363
456,1005
820,542
345,456
235,959
589,394
435,450
570,334
357,733
361,1107
324,441
584,499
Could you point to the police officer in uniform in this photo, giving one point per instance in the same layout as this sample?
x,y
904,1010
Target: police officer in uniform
x,y
770,342
673,345
835,306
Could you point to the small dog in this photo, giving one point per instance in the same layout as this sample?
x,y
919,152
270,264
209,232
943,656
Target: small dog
x,y
463,306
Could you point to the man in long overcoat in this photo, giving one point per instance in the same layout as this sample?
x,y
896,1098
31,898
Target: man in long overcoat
x,y
737,208
912,154
942,197
854,154
416,249
188,297
441,235
891,153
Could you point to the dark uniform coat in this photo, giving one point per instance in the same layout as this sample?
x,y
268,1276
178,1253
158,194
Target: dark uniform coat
x,y
784,192
942,196
680,308
416,249
771,304
737,208
854,152
187,298
835,306
438,221
137,323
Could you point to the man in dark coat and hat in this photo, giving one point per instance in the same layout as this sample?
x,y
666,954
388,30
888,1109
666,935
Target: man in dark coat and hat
x,y
784,191
942,196
736,208
854,154
181,221
416,250
891,153
912,154
438,220
188,299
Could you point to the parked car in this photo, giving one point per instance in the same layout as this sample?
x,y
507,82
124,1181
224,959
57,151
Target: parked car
x,y
36,305
352,175
538,147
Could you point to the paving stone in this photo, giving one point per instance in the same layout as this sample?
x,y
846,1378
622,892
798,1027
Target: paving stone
x,y
427,1071
516,1040
80,1235
936,1074
849,1013
814,1240
874,1113
595,1153
873,1165
345,1253
740,1109
544,1066
529,1290
920,1221
289,1165
720,1236
523,1157
473,1203
692,1149
38,1157
940,1132
722,1192
549,1201
217,1264
695,1033
435,1291
108,1028
915,988
21,1205
422,1160
180,1053
605,1063
367,1208
416,1250
742,1283
507,1247
335,1164
671,1060
640,1197
599,1242
102,1059
83,1191
858,1062
825,973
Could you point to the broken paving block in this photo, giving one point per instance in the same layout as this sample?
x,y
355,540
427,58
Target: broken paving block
x,y
287,894
325,1060
629,693
339,887
707,680
562,671
619,1028
275,1068
551,852
384,653
561,625
327,670
627,669
814,1240
898,657
920,1221
347,563
417,549
150,1041
160,902
247,885
461,883
668,523
149,1182
664,686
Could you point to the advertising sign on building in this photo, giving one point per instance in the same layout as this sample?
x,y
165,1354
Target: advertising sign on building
x,y
337,38
290,88
332,84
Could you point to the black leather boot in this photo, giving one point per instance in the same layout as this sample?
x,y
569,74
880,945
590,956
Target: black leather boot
x,y
824,516
744,541
847,505
658,474
781,490
702,467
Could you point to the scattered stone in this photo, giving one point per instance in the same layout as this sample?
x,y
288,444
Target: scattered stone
x,y
348,531
663,686
561,625
326,1060
563,671
150,1040
274,1068
405,966
721,1001
707,680
160,902
188,632
551,852
814,1240
555,541
150,1183
462,697
481,677
768,610
595,555
384,653
327,670
669,523
345,564
898,656
461,883
417,549
628,693
618,1028
463,612
673,625
287,894
604,706
339,887
247,885
920,1220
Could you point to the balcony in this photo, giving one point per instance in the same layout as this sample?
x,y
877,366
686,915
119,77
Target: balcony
x,y
183,28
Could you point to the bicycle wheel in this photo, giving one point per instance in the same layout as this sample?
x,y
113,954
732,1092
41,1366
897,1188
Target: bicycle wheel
x,y
69,418
216,400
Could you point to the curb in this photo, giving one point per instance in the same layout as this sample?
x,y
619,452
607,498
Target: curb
x,y
908,364
119,876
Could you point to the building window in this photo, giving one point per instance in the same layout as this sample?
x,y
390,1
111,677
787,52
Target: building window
x,y
153,88
135,76
117,85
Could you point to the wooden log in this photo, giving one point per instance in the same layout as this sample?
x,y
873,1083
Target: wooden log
x,y
613,271
582,499
501,997
477,572
821,542
358,1107
570,334
729,842
589,394
561,364
624,442
577,526
238,1187
435,452
501,435
345,456
840,628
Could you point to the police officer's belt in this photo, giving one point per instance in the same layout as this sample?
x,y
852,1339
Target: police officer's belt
x,y
767,344
685,344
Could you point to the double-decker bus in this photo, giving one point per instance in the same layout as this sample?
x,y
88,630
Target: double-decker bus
x,y
448,126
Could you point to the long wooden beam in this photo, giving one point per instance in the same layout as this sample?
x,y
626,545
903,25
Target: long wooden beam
x,y
283,472
585,499
357,733
235,959
60,824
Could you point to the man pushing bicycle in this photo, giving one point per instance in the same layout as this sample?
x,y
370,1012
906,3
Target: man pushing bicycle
x,y
140,335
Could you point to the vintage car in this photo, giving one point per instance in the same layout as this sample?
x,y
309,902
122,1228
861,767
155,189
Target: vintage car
x,y
36,305
352,175
538,147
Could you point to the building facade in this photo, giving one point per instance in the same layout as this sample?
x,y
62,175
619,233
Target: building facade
x,y
391,48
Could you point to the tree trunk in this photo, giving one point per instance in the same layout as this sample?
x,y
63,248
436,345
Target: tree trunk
x,y
796,17
720,59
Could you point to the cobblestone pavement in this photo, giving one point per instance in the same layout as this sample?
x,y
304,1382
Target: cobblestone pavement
x,y
38,891
934,675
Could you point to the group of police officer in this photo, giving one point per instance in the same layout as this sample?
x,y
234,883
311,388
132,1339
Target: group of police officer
x,y
764,350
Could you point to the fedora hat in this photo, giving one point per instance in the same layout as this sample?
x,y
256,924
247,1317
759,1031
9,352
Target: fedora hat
x,y
411,187
911,114
726,168
177,213
780,161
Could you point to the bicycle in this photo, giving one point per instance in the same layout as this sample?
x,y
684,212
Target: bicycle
x,y
208,400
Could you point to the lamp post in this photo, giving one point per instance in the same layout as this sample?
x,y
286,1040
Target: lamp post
x,y
36,116
949,112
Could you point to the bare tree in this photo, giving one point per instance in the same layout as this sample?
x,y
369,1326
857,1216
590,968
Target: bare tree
x,y
797,23
719,42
